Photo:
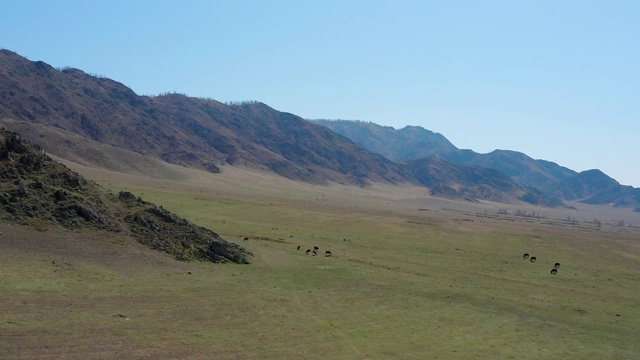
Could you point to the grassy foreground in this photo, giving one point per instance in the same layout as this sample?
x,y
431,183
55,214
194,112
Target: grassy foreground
x,y
411,277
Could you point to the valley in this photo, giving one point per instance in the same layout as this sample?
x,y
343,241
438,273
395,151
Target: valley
x,y
410,276
426,253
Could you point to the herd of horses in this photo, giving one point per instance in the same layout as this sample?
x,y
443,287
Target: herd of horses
x,y
314,252
327,253
554,271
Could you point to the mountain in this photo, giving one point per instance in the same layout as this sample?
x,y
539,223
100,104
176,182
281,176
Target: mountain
x,y
75,114
36,190
595,187
182,130
409,143
414,142
474,182
556,181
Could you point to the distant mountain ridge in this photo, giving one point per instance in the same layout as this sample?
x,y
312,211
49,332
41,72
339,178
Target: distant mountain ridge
x,y
592,187
206,134
447,179
607,190
408,143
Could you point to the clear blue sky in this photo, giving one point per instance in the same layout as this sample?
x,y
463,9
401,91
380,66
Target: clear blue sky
x,y
556,79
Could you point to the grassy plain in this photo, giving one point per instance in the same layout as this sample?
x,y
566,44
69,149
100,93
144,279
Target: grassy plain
x,y
411,277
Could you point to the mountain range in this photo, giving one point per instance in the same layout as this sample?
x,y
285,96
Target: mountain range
x,y
413,143
57,107
182,130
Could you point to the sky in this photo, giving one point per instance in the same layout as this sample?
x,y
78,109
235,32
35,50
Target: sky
x,y
558,80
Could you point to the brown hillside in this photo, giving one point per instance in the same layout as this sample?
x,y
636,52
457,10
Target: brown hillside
x,y
182,130
80,111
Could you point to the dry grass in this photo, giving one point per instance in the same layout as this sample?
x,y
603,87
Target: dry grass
x,y
411,277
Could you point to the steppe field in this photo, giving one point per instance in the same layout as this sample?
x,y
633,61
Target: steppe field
x,y
410,277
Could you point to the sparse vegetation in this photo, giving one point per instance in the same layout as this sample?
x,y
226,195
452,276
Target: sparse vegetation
x,y
410,276
39,191
401,283
241,102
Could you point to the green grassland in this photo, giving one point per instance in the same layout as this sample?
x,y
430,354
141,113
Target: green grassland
x,y
411,277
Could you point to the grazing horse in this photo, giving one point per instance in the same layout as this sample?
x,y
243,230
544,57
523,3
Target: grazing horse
x,y
533,259
246,239
327,253
298,248
557,265
525,256
315,248
315,253
307,252
554,271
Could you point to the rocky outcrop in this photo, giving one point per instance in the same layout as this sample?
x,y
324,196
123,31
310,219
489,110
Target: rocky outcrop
x,y
163,230
36,190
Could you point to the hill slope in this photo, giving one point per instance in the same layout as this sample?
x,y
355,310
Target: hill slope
x,y
38,191
198,133
595,187
409,143
474,182
182,130
414,142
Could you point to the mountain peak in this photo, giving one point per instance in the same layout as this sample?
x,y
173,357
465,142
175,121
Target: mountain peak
x,y
595,174
6,52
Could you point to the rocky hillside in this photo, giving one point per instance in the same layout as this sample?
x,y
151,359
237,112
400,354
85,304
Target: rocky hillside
x,y
37,191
